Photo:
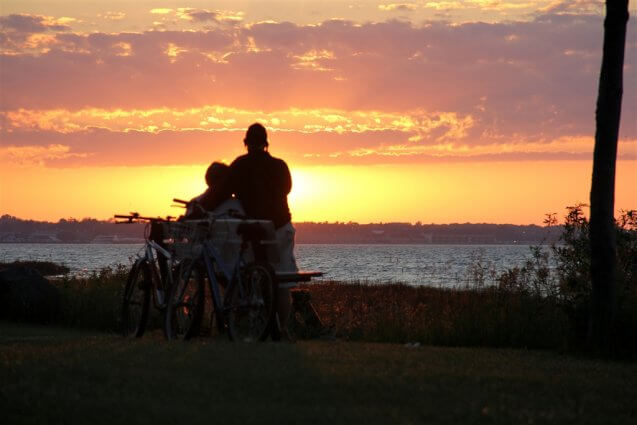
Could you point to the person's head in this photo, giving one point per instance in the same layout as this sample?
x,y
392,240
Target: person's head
x,y
256,138
216,173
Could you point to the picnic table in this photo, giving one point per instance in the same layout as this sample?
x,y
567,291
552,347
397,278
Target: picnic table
x,y
228,235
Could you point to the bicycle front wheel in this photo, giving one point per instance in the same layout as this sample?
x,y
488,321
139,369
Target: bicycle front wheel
x,y
184,309
136,302
249,303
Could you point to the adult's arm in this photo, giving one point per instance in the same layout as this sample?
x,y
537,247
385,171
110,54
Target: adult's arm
x,y
285,178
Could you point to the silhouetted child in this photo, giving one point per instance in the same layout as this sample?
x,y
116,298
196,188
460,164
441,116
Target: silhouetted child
x,y
214,194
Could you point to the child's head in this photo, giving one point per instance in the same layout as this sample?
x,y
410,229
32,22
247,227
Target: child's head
x,y
216,173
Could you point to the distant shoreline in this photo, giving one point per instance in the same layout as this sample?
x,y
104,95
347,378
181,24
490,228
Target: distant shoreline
x,y
15,230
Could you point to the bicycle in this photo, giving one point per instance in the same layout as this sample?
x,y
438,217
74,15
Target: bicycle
x,y
243,288
146,280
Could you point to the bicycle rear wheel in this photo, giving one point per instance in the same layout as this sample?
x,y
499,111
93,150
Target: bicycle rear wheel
x,y
185,306
136,302
249,303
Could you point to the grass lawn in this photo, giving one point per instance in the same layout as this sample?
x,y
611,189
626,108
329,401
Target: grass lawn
x,y
54,375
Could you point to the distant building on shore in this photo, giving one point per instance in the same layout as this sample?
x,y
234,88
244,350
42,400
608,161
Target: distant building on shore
x,y
115,239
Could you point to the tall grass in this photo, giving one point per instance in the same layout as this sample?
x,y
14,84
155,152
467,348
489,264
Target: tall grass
x,y
542,304
521,307
490,311
93,301
478,315
489,316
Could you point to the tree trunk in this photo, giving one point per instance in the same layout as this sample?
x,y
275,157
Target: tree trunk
x,y
602,224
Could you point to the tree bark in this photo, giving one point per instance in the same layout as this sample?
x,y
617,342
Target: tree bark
x,y
602,222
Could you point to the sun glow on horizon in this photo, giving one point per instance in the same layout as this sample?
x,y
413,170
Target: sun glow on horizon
x,y
506,192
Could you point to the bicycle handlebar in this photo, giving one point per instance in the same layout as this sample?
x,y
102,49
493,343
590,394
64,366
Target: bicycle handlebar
x,y
187,204
134,216
181,201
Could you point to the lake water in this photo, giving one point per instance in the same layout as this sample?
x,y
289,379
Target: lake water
x,y
436,265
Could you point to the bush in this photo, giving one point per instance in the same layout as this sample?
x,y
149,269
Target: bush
x,y
92,302
573,270
565,278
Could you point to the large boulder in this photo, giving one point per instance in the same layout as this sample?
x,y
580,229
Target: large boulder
x,y
27,296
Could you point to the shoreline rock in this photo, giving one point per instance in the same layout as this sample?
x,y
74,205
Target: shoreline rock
x,y
25,295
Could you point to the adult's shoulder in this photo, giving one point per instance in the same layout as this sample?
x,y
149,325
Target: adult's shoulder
x,y
279,162
239,160
281,169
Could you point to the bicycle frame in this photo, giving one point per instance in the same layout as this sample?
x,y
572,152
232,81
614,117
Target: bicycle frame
x,y
211,256
235,296
159,299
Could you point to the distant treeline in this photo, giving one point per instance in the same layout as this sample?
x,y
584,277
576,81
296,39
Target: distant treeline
x,y
13,229
418,233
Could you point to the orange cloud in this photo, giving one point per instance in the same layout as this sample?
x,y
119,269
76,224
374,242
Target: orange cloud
x,y
201,15
499,5
443,5
418,124
334,91
26,23
112,16
398,6
35,155
511,77
574,6
314,60
161,11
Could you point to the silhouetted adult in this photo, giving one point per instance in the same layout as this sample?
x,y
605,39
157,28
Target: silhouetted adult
x,y
262,183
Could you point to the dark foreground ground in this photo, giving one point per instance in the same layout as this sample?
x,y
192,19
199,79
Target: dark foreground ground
x,y
62,376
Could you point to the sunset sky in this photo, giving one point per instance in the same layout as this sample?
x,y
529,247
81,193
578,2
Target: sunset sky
x,y
431,111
